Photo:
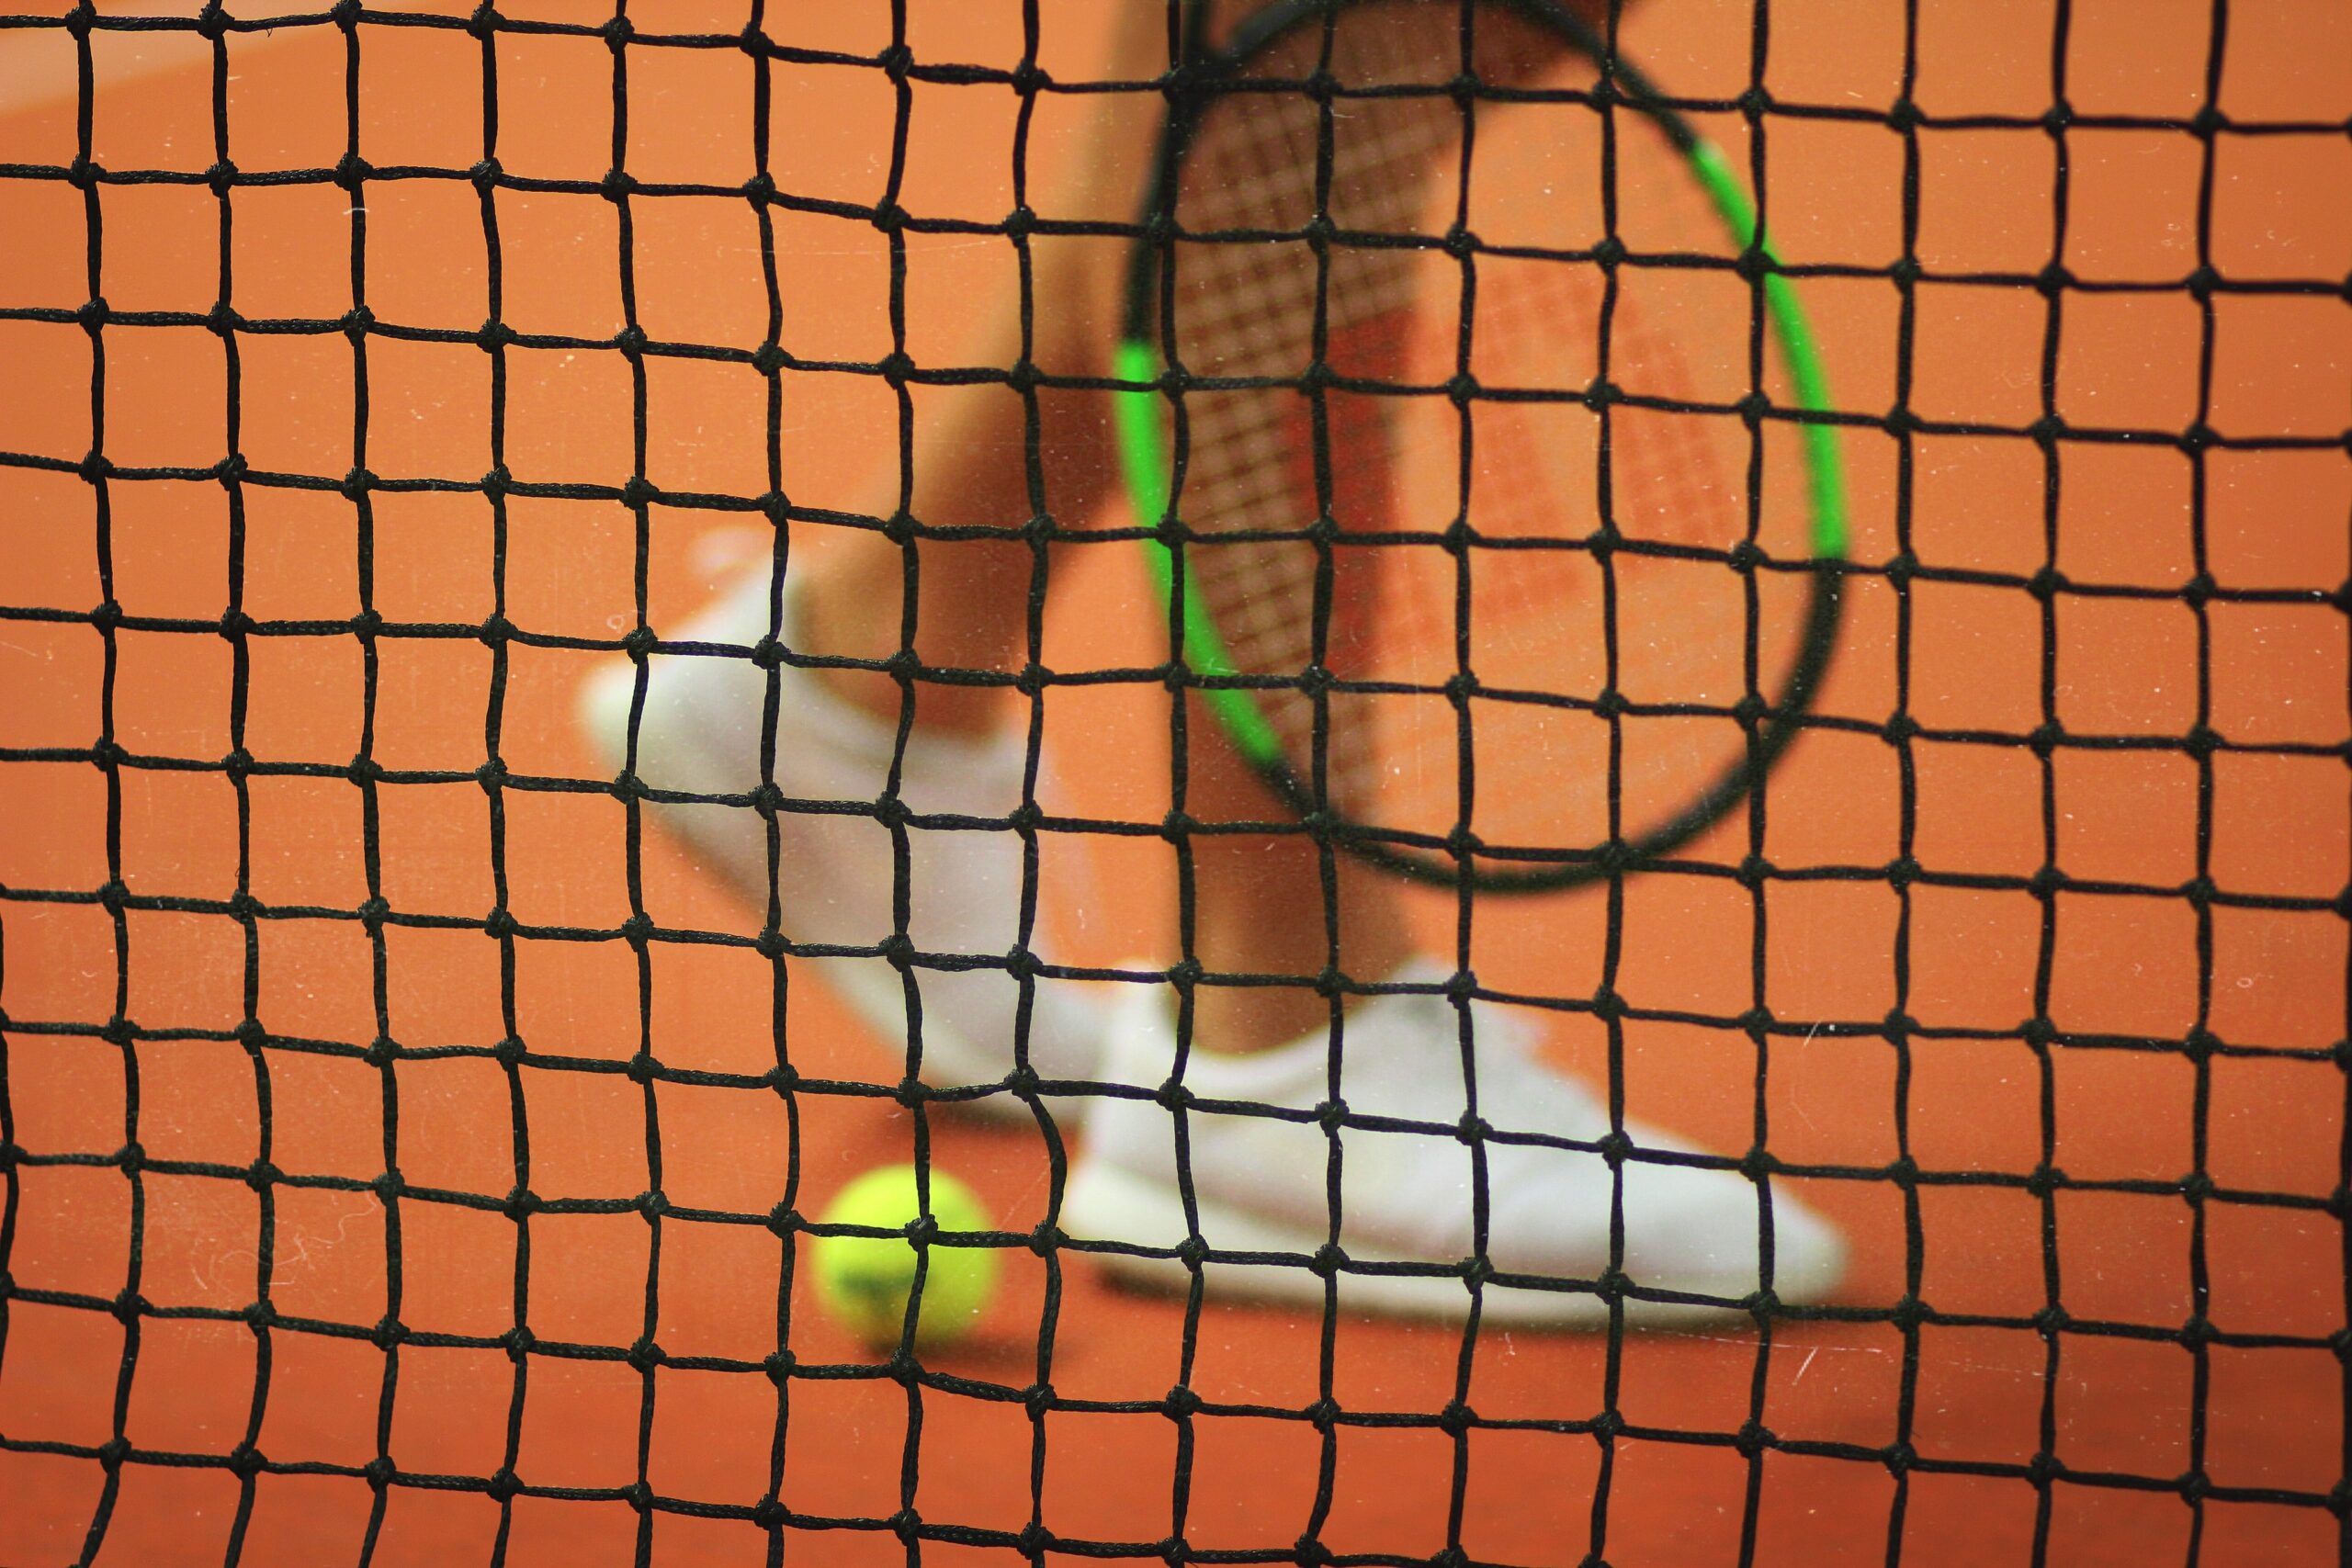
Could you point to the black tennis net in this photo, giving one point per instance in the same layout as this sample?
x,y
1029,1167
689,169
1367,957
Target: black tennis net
x,y
2046,915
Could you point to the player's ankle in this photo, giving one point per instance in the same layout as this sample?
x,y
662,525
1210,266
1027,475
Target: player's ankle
x,y
1247,1021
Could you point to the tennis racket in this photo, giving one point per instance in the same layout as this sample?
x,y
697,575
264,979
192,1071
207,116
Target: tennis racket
x,y
1442,384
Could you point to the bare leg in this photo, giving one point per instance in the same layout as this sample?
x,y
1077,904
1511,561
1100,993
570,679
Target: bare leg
x,y
1259,901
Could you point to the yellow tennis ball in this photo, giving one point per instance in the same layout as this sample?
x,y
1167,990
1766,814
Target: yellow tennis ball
x,y
865,1281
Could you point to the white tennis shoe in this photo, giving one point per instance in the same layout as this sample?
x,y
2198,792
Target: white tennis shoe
x,y
700,733
1260,1181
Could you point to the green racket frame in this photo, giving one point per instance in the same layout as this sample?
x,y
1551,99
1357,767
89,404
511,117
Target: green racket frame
x,y
1143,460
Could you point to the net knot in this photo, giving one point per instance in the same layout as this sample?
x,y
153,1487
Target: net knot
x,y
619,31
1179,1404
2054,280
245,1462
1898,1457
2045,1180
1753,1438
220,176
484,23
352,170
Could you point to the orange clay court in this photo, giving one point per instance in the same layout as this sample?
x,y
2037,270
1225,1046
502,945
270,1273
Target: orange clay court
x,y
2087,1142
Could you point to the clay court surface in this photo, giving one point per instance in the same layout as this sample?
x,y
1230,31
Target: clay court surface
x,y
218,1015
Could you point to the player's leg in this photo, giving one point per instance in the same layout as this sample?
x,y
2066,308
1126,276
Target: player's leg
x,y
705,718
1257,1163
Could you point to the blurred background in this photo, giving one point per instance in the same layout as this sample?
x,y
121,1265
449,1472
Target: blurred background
x,y
233,998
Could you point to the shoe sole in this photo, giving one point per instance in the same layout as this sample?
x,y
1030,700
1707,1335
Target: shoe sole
x,y
1104,1204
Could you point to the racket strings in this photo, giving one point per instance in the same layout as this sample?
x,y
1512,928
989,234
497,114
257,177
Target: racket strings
x,y
1525,475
